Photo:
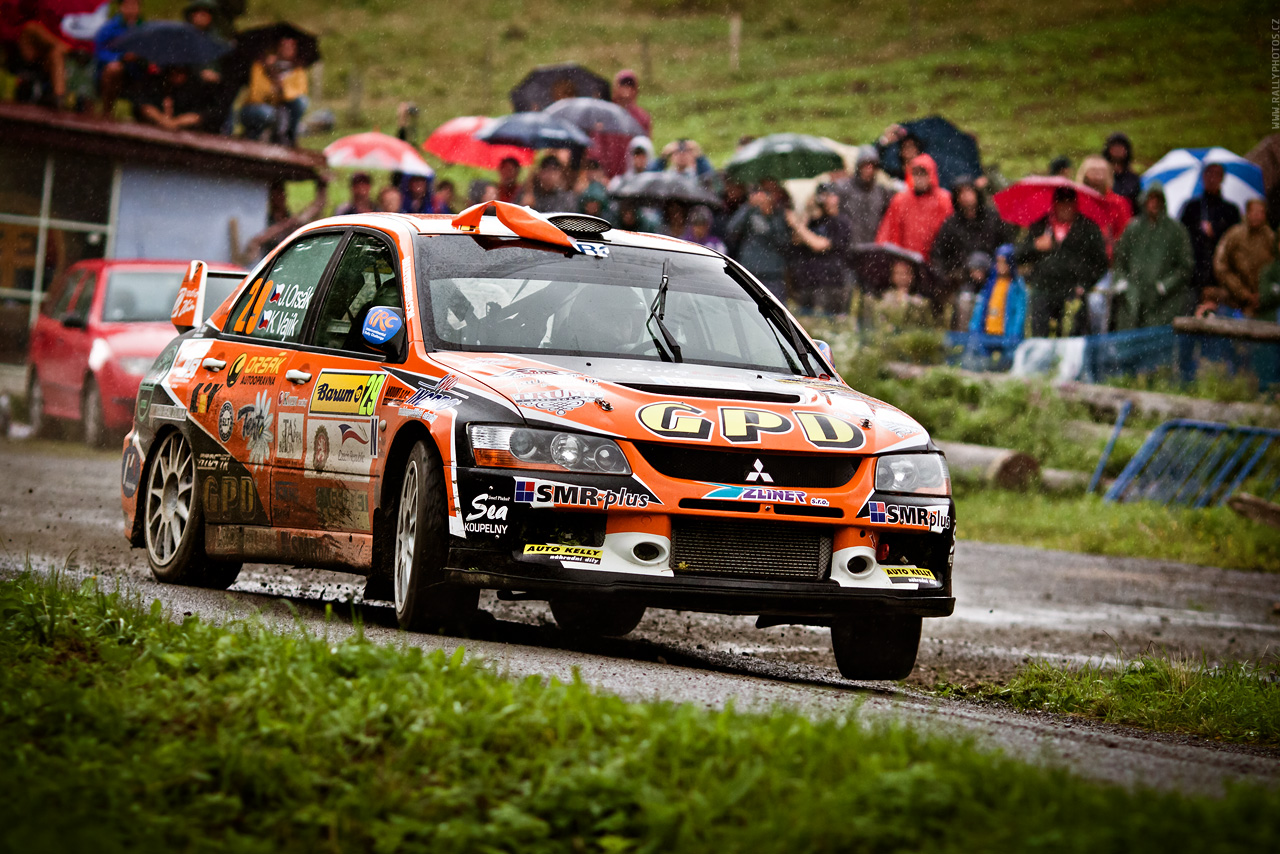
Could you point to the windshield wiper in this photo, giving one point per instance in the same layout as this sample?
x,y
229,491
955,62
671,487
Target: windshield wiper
x,y
657,312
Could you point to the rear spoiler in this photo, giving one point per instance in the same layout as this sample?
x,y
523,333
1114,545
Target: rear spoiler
x,y
188,308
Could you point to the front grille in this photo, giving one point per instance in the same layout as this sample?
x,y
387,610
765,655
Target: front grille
x,y
687,462
762,550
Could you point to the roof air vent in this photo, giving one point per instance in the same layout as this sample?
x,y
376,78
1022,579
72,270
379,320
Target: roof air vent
x,y
579,225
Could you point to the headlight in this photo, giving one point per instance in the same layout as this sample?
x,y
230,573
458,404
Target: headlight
x,y
550,450
920,474
135,365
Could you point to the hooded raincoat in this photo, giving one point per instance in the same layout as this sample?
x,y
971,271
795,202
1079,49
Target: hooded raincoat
x,y
913,219
1152,268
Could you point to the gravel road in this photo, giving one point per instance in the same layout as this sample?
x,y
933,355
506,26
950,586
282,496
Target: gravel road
x,y
60,506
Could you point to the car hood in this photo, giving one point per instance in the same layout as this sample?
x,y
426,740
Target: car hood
x,y
661,401
137,339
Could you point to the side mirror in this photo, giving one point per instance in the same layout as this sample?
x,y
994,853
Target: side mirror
x,y
825,350
384,331
73,321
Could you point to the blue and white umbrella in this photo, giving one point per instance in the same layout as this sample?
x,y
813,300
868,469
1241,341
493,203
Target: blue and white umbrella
x,y
1179,172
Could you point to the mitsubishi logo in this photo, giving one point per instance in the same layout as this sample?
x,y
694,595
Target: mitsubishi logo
x,y
759,474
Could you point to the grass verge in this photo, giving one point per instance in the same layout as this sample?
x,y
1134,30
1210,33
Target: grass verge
x,y
1237,702
120,729
1214,536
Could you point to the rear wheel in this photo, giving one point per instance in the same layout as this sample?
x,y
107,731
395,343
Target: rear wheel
x,y
173,520
424,600
876,647
92,419
587,616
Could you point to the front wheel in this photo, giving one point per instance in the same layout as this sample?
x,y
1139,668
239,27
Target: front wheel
x,y
610,618
92,419
173,521
876,647
424,600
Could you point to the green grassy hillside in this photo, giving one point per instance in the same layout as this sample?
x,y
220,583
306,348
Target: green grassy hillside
x,y
1031,80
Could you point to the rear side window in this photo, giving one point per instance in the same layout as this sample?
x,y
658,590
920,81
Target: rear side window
x,y
364,278
274,307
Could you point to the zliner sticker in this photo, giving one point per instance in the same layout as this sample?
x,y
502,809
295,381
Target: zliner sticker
x,y
759,493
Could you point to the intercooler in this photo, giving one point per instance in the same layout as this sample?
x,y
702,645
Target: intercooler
x,y
761,550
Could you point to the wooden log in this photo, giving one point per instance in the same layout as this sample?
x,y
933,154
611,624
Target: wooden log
x,y
1241,328
1256,509
1062,480
1001,467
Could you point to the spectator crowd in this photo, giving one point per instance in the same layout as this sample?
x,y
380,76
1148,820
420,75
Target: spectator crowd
x,y
946,255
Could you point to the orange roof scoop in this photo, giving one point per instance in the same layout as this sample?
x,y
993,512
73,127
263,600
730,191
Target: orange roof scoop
x,y
524,222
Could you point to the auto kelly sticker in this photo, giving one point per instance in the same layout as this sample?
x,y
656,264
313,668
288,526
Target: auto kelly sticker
x,y
564,554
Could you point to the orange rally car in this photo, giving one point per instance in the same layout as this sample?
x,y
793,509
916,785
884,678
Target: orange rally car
x,y
546,407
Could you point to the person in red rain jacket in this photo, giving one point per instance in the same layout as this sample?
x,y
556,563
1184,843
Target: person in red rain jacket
x,y
916,214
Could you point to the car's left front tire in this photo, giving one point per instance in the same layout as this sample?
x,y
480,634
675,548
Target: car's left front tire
x,y
424,600
173,520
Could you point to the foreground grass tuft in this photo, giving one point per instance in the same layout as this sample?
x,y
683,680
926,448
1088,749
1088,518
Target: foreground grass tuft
x,y
120,729
1235,702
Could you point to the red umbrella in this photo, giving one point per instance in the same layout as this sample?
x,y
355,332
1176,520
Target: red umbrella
x,y
455,142
373,150
1031,199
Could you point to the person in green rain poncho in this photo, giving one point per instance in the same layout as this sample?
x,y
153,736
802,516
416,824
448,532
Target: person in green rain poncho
x,y
1152,267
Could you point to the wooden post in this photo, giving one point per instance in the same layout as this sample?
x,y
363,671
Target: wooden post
x,y
735,40
355,88
317,83
646,59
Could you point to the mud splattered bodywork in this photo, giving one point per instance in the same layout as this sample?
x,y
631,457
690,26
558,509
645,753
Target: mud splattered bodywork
x,y
620,415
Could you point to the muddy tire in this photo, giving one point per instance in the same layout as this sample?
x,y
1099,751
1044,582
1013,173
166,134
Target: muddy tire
x,y
876,647
92,420
608,617
424,601
173,520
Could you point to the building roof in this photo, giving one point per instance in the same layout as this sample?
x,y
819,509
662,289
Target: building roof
x,y
43,128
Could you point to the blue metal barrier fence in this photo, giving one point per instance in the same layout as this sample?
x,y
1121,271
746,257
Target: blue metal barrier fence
x,y
1199,463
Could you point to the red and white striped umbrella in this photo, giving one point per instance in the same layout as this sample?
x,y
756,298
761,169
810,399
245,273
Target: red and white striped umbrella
x,y
455,142
373,150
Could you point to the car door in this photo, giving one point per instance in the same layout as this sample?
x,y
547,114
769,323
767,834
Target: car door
x,y
233,386
68,346
47,354
329,435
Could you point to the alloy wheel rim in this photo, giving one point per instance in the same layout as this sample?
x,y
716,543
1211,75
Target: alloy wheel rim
x,y
406,533
170,492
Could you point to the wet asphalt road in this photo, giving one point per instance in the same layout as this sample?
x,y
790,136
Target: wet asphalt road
x,y
59,506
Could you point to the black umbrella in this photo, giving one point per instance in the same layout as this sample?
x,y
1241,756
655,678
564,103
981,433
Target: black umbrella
x,y
170,43
534,130
873,265
595,116
549,83
665,187
955,151
258,41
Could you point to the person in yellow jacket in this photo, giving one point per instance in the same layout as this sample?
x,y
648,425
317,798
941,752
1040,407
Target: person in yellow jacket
x,y
277,95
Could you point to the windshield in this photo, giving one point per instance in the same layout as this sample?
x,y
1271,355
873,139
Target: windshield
x,y
488,294
141,296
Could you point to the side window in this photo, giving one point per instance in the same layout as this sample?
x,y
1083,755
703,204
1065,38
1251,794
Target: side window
x,y
84,301
366,277
59,299
274,307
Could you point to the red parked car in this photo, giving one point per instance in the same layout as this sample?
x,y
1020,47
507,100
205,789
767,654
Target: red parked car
x,y
100,327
